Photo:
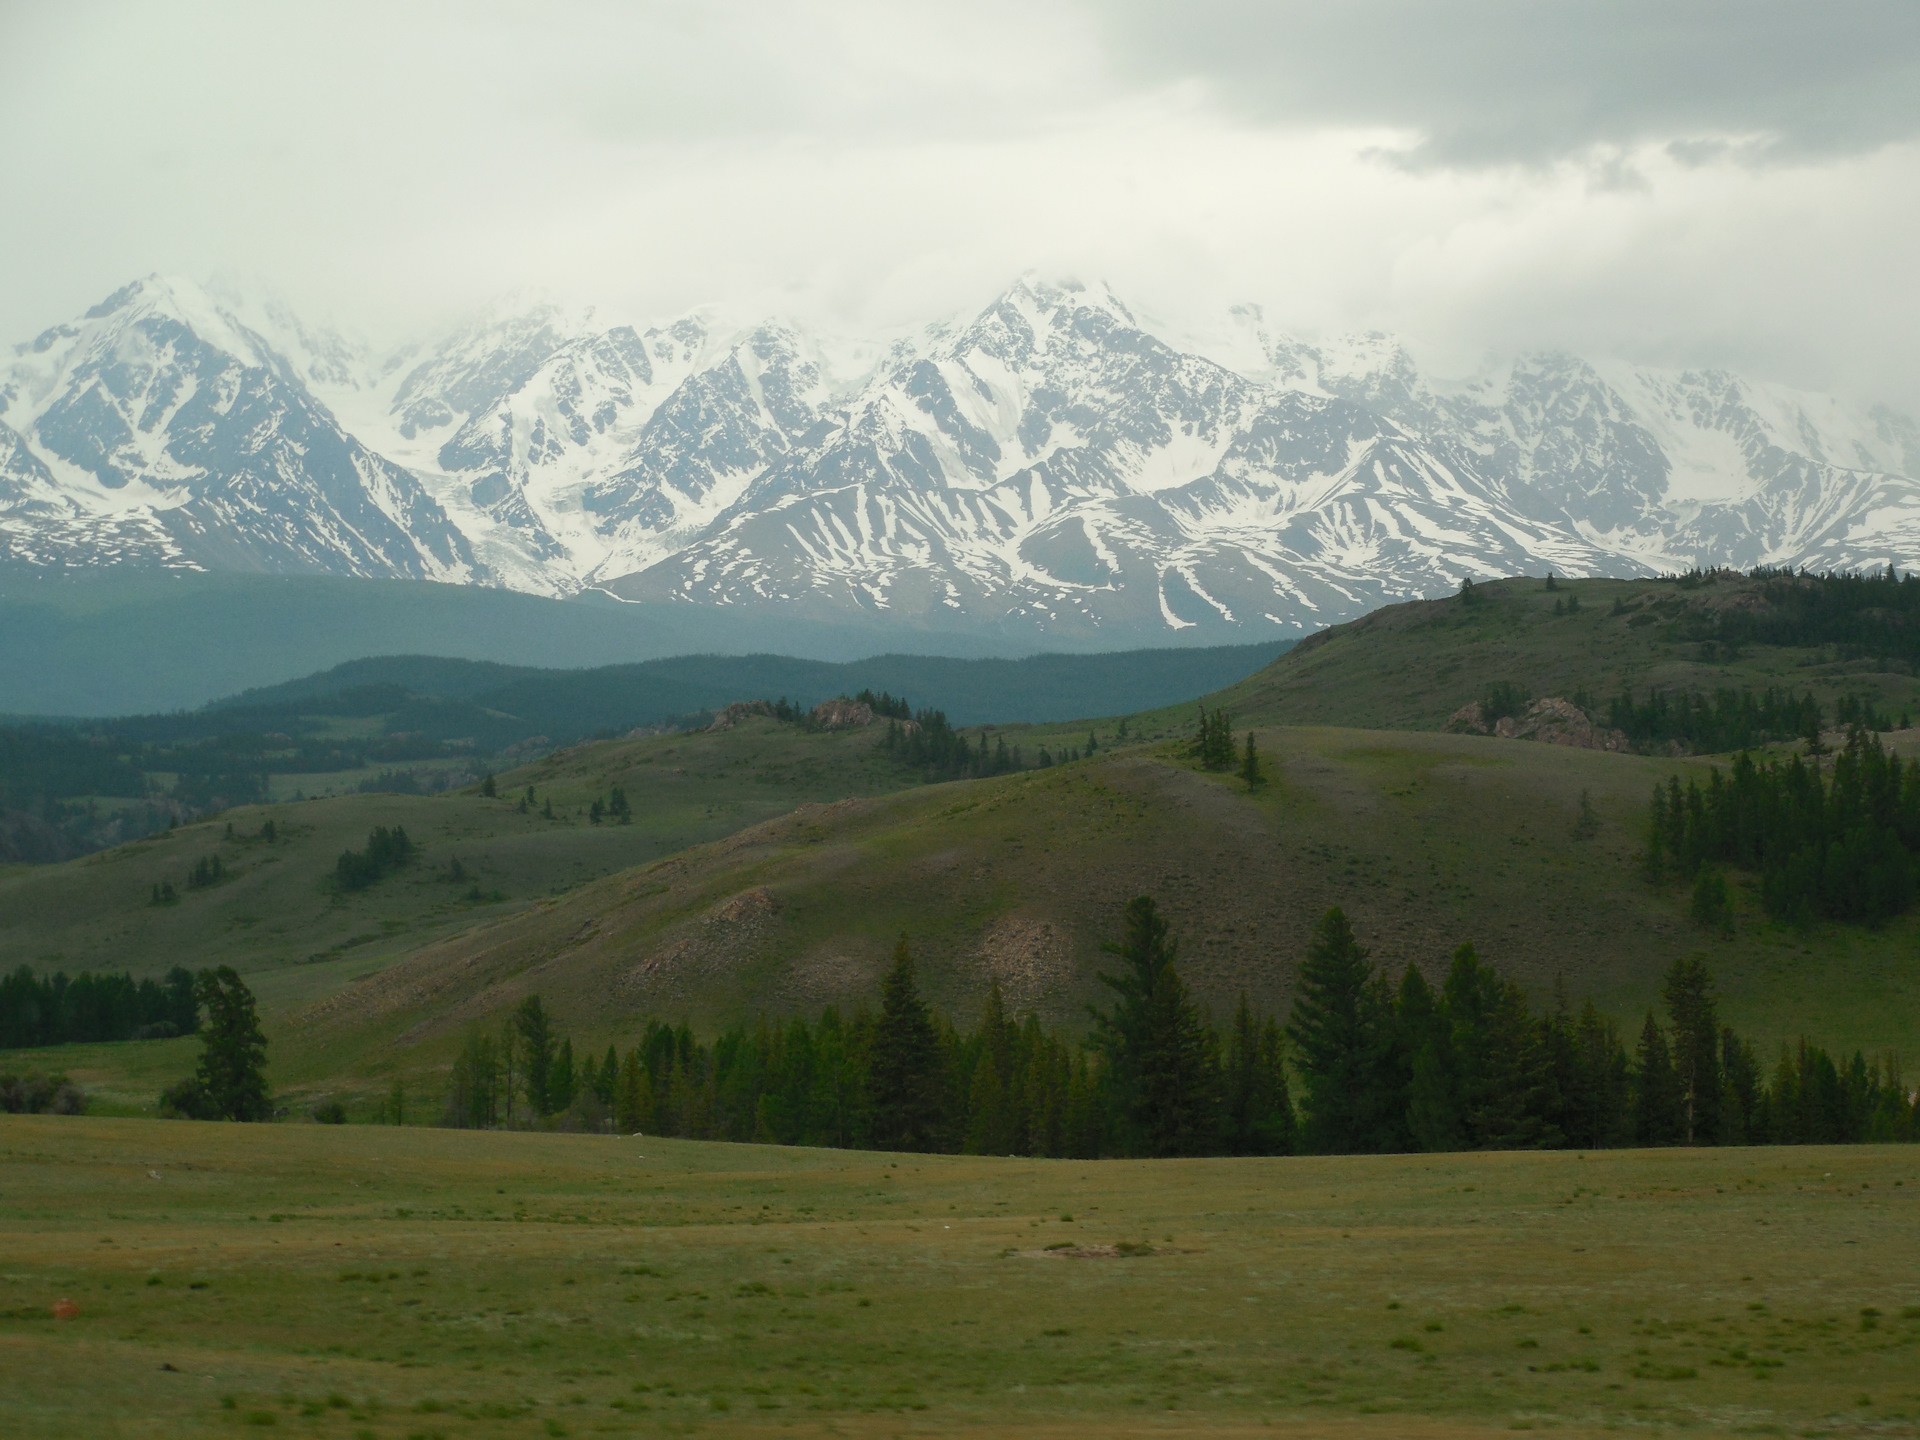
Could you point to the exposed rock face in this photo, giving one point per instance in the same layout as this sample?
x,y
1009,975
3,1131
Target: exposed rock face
x,y
842,714
1552,721
736,712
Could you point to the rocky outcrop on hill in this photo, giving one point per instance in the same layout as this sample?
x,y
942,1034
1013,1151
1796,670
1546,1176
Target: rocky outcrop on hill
x,y
736,712
1552,721
841,714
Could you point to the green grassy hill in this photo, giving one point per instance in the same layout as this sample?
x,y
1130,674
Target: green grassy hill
x,y
1412,666
1426,840
277,919
724,900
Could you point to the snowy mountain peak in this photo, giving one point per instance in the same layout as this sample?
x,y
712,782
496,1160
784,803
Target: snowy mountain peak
x,y
1052,464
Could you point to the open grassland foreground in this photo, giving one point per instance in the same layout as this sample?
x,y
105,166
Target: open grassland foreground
x,y
360,1282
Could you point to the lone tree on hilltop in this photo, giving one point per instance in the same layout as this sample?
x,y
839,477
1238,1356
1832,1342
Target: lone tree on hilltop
x,y
903,1076
230,1082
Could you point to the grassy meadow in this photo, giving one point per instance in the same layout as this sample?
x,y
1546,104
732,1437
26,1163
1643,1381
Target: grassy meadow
x,y
376,1282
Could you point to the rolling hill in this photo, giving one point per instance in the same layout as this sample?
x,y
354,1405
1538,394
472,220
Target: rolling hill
x,y
725,900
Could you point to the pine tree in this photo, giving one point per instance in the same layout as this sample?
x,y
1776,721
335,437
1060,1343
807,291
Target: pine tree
x,y
1250,765
1696,1048
606,1079
619,808
1600,1106
1742,1117
904,1088
473,1092
633,1102
986,1111
1162,1059
1259,1116
535,1032
993,1114
1658,1118
1586,824
1434,1121
231,1076
1340,1034
562,1081
1512,1099
1712,909
488,788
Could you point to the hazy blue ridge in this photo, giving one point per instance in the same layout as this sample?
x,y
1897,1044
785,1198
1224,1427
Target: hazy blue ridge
x,y
565,704
127,642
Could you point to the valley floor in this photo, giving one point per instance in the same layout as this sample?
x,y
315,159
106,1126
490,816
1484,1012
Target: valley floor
x,y
366,1281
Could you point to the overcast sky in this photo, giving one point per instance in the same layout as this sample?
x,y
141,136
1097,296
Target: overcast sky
x,y
1732,183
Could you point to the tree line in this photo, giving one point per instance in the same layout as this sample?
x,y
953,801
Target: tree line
x,y
1862,615
928,744
1724,721
87,1008
1378,1066
1156,1078
1837,845
1471,1066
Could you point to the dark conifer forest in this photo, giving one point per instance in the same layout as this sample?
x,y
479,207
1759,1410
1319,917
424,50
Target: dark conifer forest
x,y
1467,1063
58,1010
1834,844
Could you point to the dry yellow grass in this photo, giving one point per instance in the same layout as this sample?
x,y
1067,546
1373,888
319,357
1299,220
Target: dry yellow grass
x,y
361,1281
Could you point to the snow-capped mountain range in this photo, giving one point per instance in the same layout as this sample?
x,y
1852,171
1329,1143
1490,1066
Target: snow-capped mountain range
x,y
1052,468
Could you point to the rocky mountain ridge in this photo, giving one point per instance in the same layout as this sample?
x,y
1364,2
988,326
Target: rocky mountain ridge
x,y
1051,466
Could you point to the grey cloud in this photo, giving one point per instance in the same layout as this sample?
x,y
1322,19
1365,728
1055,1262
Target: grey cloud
x,y
1504,81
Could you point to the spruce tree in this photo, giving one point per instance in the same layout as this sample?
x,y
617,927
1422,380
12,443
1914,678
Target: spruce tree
x,y
1434,1121
1340,1034
535,1033
1658,1118
1742,1121
903,1073
1162,1059
1696,1048
563,1083
1258,1108
1512,1102
1250,765
606,1079
1586,824
987,1129
633,1096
